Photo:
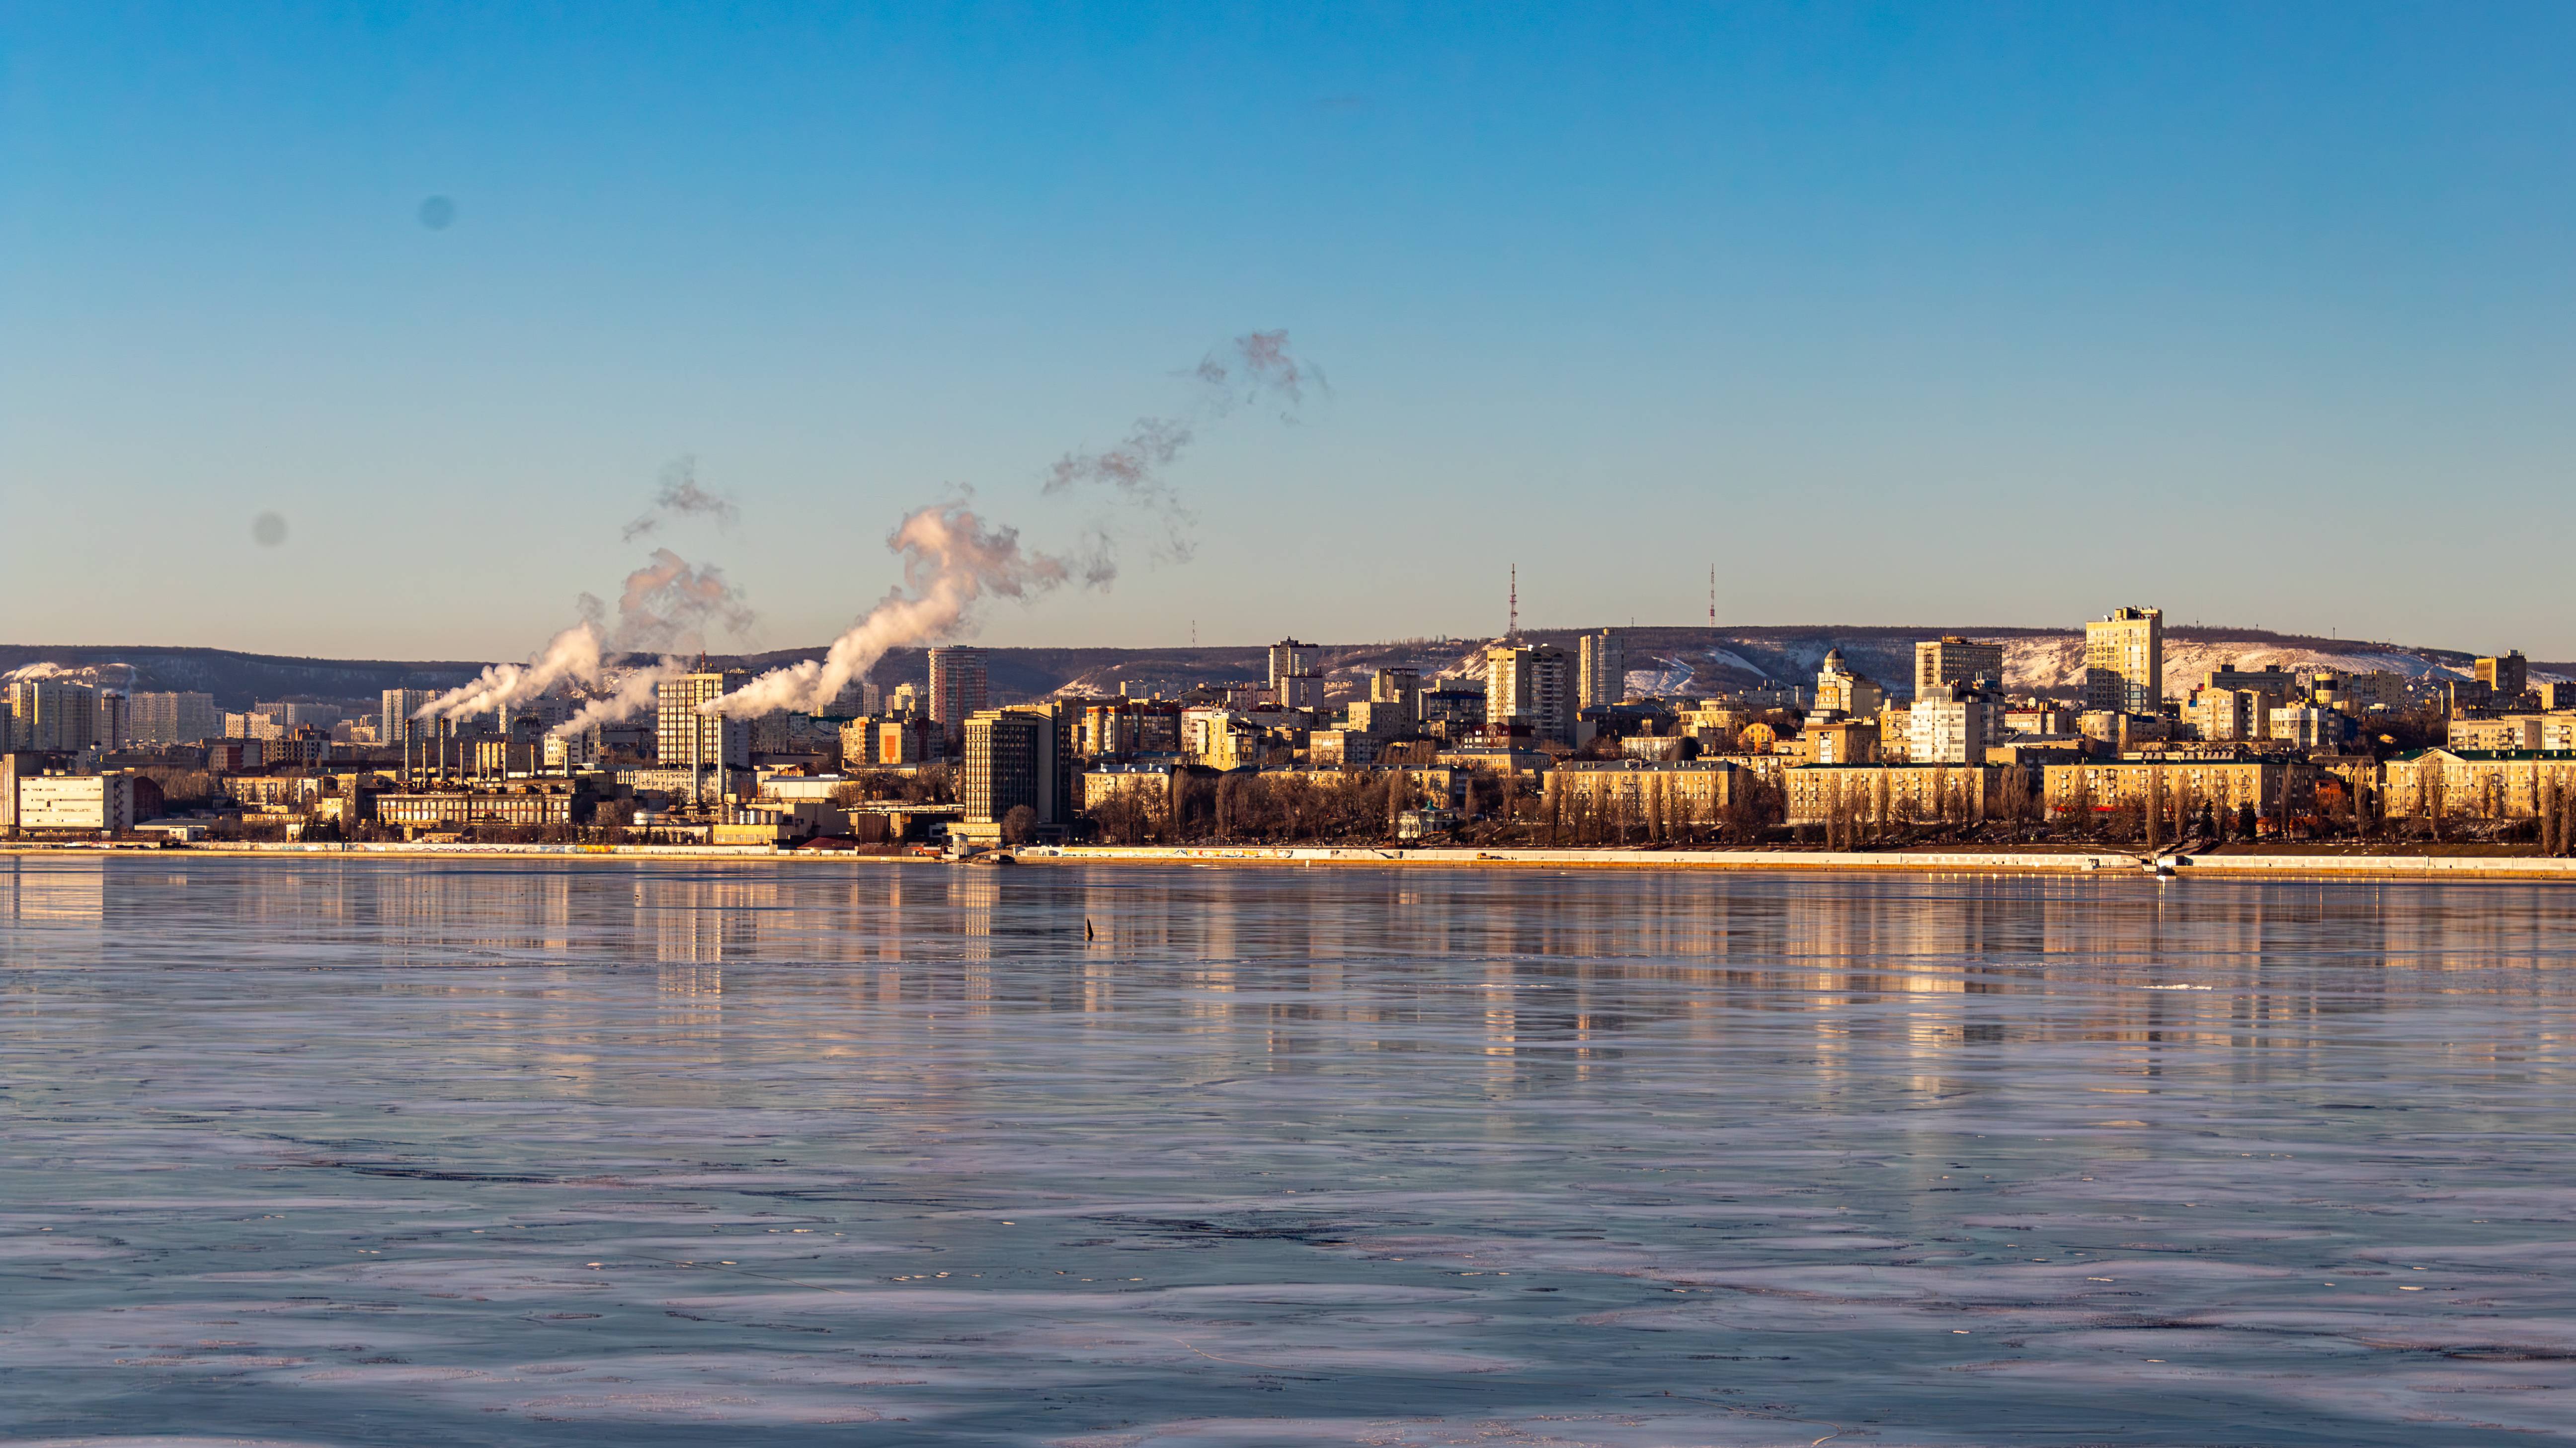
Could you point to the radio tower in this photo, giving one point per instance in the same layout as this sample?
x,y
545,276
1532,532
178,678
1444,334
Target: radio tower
x,y
1513,631
1712,596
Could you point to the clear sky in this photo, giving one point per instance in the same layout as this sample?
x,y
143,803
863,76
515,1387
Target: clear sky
x,y
1944,314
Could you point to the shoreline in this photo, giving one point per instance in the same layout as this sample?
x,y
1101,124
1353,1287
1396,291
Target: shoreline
x,y
2095,863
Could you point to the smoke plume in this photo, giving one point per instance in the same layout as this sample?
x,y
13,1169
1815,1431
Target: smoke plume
x,y
682,497
951,558
1253,366
1265,365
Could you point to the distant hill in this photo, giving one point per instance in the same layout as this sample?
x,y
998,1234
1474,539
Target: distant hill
x,y
1661,660
238,680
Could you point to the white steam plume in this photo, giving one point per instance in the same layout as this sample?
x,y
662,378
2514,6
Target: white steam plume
x,y
633,693
667,605
951,558
570,657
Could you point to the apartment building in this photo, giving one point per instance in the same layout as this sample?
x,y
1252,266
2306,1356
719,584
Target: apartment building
x,y
687,736
1951,659
2124,667
1601,671
958,688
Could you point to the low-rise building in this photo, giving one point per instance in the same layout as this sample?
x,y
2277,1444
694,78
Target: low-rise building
x,y
2123,732
1687,792
536,802
2276,786
684,784
2310,727
1510,759
296,792
1844,691
1221,738
81,803
1840,741
1893,793
1351,748
899,739
2511,734
2477,783
2041,719
1424,822
2359,693
1149,785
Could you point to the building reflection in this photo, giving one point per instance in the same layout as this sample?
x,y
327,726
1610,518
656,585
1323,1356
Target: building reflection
x,y
937,991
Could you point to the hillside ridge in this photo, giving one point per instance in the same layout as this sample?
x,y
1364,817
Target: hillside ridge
x,y
1660,658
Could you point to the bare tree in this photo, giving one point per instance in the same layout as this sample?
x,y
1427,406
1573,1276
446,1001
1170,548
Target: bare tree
x,y
1019,823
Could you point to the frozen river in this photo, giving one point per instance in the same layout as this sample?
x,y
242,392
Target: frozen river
x,y
503,1152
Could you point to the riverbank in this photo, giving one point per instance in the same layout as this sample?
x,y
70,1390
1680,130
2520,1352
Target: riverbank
x,y
2284,865
2016,862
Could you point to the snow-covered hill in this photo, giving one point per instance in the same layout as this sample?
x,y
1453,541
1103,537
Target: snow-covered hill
x,y
1674,661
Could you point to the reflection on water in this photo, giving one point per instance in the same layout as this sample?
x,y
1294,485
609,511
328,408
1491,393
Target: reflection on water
x,y
534,1152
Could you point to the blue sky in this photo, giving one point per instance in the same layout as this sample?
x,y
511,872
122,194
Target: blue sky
x,y
1988,314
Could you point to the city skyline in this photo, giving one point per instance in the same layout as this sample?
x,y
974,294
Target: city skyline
x,y
2004,313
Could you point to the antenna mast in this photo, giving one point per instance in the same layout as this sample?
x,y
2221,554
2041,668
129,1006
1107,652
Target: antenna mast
x,y
1712,596
1513,631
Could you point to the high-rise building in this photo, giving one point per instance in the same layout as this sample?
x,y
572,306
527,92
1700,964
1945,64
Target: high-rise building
x,y
687,736
1528,684
292,715
1021,755
1952,724
395,706
2124,661
957,687
531,718
175,718
1603,670
1289,658
1294,683
1395,696
1951,659
115,726
52,714
2506,678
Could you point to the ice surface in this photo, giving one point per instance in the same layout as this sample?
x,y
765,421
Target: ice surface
x,y
512,1152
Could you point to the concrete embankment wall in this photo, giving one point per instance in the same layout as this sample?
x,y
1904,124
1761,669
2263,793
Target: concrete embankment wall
x,y
1621,859
2456,867
2097,863
263,848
